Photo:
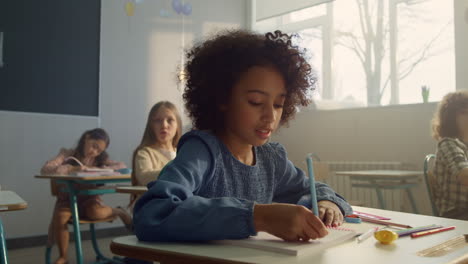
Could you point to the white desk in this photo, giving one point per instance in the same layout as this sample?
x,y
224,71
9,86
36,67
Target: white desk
x,y
9,201
131,189
370,251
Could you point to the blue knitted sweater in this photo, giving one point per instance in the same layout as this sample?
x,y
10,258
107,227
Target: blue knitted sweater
x,y
205,193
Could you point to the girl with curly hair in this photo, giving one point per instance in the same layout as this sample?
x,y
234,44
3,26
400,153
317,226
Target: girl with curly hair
x,y
450,129
228,181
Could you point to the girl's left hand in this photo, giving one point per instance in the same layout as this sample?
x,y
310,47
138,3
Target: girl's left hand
x,y
330,214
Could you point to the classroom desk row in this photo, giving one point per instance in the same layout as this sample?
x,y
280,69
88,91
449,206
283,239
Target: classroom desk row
x,y
69,181
403,250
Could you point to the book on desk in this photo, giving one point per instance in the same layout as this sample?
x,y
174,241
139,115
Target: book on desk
x,y
268,242
96,172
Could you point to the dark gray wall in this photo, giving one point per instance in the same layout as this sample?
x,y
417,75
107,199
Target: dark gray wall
x,y
51,56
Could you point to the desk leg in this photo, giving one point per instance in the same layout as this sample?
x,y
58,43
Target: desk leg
x,y
380,197
3,250
76,222
411,198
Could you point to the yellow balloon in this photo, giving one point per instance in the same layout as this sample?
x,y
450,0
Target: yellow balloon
x,y
385,236
130,8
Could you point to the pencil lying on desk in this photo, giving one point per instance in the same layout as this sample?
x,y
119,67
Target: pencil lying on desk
x,y
409,231
382,222
433,231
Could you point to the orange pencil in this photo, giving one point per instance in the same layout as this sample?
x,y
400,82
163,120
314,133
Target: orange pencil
x,y
433,231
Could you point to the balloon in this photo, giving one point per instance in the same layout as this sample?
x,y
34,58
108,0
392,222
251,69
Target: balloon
x,y
187,9
129,8
177,6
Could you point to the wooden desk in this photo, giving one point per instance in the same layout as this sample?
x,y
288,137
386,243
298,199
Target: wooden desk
x,y
385,179
402,250
69,181
132,189
9,201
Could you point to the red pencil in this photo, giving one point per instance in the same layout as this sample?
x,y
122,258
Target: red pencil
x,y
433,231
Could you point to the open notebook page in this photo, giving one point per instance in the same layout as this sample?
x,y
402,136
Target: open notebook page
x,y
268,242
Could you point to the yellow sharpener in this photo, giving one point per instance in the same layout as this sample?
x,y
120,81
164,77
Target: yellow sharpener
x,y
385,236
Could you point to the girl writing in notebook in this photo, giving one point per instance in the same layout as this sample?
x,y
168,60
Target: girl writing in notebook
x,y
158,145
450,129
89,153
228,181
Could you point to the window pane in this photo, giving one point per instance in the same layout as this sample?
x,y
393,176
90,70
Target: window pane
x,y
311,40
351,55
367,38
304,14
426,49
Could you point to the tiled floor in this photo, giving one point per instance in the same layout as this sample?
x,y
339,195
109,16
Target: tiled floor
x,y
35,255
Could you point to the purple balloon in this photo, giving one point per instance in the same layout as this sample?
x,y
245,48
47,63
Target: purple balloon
x,y
177,6
187,9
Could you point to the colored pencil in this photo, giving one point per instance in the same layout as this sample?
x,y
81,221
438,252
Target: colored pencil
x,y
313,194
409,231
382,222
433,231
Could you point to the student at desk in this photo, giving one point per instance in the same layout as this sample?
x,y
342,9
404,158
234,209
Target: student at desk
x,y
240,88
158,145
450,128
90,152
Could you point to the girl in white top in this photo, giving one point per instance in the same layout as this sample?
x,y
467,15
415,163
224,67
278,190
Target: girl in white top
x,y
158,145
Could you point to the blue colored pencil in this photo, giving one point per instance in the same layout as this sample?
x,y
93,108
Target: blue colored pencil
x,y
313,194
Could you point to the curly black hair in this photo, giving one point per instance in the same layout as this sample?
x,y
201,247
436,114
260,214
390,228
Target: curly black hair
x,y
214,66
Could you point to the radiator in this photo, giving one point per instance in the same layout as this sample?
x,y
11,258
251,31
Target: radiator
x,y
395,200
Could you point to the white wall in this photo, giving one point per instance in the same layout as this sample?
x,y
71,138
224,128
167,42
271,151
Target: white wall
x,y
461,42
139,55
392,133
27,140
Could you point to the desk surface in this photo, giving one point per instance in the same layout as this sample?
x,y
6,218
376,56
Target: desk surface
x,y
381,173
132,189
10,201
370,251
85,178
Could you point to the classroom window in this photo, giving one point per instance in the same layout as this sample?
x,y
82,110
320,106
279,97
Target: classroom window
x,y
375,52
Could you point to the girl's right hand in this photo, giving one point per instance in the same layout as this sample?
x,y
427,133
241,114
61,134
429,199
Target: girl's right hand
x,y
288,221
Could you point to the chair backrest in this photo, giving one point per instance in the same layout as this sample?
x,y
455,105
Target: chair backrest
x,y
429,179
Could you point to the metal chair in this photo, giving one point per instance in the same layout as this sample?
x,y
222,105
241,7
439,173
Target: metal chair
x,y
429,179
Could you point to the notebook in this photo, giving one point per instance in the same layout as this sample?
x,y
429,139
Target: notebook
x,y
95,173
268,242
98,170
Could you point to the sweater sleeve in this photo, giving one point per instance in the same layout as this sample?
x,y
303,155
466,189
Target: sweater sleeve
x,y
294,187
144,171
171,210
56,166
